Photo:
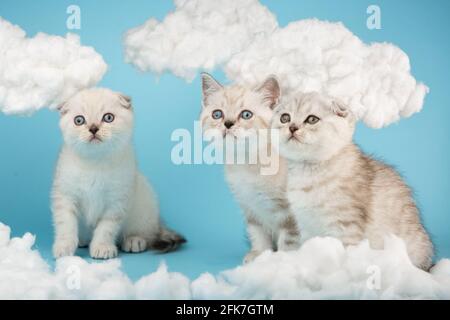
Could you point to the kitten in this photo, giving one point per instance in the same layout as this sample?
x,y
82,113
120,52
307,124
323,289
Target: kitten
x,y
231,110
336,190
99,197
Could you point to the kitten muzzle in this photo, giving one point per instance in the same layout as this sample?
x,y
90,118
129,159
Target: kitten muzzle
x,y
93,129
95,138
293,128
293,137
228,124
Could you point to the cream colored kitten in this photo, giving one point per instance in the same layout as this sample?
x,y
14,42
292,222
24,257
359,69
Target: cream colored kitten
x,y
336,190
99,197
232,110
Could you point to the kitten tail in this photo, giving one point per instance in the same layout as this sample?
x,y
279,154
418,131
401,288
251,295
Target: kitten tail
x,y
167,241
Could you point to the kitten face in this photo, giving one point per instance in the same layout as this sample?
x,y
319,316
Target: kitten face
x,y
234,110
96,121
313,127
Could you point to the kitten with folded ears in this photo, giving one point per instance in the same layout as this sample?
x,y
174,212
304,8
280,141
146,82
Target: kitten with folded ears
x,y
99,198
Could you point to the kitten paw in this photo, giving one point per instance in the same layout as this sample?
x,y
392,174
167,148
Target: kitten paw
x,y
65,247
103,251
134,244
249,257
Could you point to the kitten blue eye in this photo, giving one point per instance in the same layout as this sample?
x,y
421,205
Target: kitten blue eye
x,y
246,114
79,120
285,118
312,119
217,114
108,118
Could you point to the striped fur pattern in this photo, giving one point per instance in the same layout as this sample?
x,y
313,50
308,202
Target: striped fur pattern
x,y
336,190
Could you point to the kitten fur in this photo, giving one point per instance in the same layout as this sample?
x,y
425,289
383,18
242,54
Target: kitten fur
x,y
99,198
336,190
262,198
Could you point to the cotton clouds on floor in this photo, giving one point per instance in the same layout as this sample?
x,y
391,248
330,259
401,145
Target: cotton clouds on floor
x,y
307,55
43,70
321,269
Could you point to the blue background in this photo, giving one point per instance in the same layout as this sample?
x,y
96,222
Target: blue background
x,y
195,199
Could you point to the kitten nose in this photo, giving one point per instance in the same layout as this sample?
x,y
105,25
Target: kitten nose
x,y
94,129
229,124
293,128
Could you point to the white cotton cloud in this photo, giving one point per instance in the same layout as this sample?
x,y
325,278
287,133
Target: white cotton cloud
x,y
44,70
307,55
313,55
163,285
24,274
321,269
199,34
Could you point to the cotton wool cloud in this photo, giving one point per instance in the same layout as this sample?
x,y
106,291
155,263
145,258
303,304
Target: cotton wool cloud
x,y
245,40
198,34
44,70
321,269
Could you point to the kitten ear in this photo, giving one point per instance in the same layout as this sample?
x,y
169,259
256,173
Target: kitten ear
x,y
339,108
209,86
125,101
62,108
271,91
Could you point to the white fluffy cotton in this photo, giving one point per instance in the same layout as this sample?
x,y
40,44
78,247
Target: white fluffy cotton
x,y
199,34
321,269
43,71
324,269
24,274
313,55
163,285
307,55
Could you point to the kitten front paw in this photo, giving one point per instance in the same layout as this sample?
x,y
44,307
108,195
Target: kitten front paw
x,y
249,257
102,251
134,244
64,247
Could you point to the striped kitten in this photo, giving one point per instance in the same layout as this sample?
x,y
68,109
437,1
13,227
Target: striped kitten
x,y
233,109
336,190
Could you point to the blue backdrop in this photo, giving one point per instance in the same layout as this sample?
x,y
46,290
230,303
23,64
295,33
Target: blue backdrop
x,y
195,199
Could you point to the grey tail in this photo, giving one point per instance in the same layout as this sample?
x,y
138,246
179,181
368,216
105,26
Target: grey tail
x,y
167,241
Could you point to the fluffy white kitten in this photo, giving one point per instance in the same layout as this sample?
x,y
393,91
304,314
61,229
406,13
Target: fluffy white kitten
x,y
235,109
336,190
99,198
